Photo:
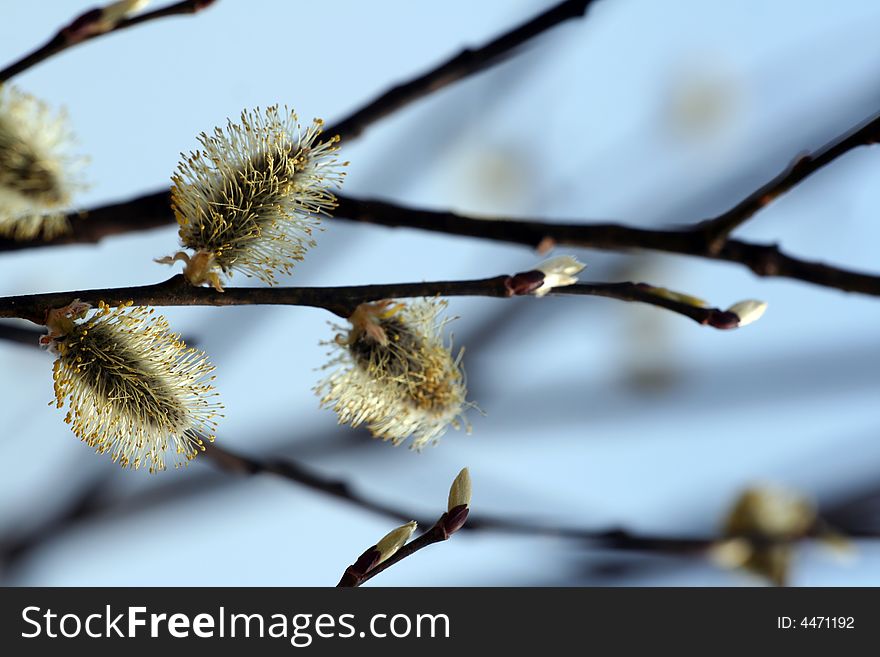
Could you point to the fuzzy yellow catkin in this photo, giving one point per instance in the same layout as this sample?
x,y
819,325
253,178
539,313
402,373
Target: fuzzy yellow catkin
x,y
761,529
135,391
38,173
251,199
395,374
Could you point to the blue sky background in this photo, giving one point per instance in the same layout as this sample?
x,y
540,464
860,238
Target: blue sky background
x,y
598,413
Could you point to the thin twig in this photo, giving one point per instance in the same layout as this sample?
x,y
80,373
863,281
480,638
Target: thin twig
x,y
464,64
300,474
85,28
365,568
343,300
715,231
91,502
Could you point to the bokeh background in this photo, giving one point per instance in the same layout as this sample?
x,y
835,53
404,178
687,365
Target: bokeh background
x,y
598,413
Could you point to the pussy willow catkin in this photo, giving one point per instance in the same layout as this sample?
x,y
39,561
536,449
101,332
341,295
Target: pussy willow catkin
x,y
38,173
395,374
252,197
134,390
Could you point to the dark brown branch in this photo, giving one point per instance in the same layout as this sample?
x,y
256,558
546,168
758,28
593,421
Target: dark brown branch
x,y
31,336
464,64
90,227
87,27
715,231
762,259
153,210
365,568
292,471
91,501
707,239
343,300
339,489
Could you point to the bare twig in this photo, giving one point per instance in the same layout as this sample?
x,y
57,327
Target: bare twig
x,y
300,474
762,259
715,231
366,568
339,489
88,26
464,64
394,547
342,301
91,502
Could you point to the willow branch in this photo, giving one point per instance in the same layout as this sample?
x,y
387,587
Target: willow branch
x,y
715,231
706,239
93,501
299,474
342,301
762,259
153,211
88,26
365,568
464,64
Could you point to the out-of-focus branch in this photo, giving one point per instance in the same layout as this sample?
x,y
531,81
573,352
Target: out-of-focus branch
x,y
300,474
92,501
365,567
297,473
21,335
342,301
93,24
464,64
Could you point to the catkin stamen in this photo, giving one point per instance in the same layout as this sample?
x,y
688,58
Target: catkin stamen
x,y
396,374
134,390
252,198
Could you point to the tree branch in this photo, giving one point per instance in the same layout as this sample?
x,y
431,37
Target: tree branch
x,y
297,473
366,568
86,27
464,64
342,301
92,500
153,211
715,231
762,259
707,238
